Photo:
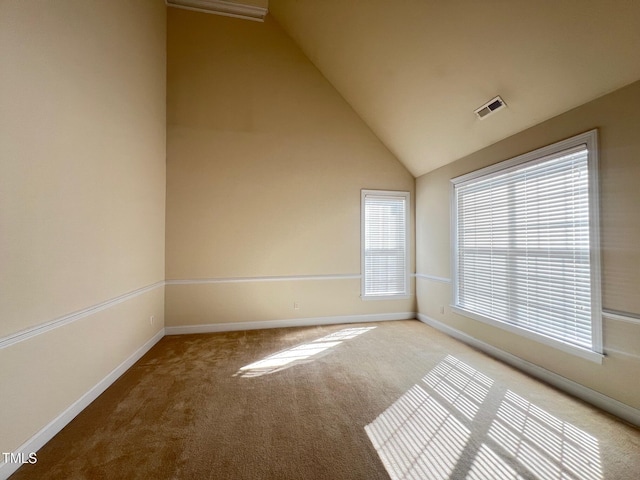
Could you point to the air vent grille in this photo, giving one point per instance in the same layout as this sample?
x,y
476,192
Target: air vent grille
x,y
491,106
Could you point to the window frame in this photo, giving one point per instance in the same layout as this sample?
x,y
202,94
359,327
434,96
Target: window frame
x,y
407,265
590,140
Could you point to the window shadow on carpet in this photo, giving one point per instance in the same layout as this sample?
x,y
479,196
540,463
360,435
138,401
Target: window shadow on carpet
x,y
457,423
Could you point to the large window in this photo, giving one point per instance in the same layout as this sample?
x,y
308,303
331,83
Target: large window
x,y
385,224
525,245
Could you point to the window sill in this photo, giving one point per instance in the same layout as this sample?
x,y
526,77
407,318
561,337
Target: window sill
x,y
565,347
366,298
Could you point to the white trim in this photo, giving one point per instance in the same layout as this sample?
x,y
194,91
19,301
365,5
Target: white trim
x,y
54,426
290,322
621,316
369,298
220,7
453,235
608,404
426,276
537,156
591,139
590,355
274,278
30,332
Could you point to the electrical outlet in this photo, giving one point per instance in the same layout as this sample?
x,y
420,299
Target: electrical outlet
x,y
151,319
441,308
296,306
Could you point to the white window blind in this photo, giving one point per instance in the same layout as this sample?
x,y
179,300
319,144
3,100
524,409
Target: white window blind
x,y
384,243
523,247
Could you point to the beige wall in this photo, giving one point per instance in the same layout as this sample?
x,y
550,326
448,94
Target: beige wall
x,y
265,163
82,189
618,119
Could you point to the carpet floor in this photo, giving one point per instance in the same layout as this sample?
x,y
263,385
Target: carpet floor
x,y
384,400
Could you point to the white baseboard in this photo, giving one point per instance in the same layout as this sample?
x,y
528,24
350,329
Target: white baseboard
x,y
291,322
608,404
49,431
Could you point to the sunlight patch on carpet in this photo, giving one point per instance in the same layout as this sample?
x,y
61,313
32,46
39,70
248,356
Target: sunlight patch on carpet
x,y
300,353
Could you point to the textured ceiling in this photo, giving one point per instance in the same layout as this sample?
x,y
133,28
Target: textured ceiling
x,y
415,70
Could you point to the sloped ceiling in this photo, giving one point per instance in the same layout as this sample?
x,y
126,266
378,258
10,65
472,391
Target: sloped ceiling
x,y
415,70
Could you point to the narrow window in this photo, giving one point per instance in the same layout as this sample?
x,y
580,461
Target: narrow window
x,y
525,245
385,223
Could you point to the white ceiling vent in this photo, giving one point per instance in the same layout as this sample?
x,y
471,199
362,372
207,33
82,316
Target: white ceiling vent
x,y
220,7
491,106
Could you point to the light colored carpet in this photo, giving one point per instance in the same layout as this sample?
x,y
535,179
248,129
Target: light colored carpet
x,y
385,400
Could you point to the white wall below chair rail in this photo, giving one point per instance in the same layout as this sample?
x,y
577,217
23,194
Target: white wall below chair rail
x,y
597,399
52,428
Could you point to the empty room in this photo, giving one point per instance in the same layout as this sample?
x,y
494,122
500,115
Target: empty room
x,y
302,239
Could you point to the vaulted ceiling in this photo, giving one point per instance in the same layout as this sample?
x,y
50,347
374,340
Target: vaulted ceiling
x,y
415,70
